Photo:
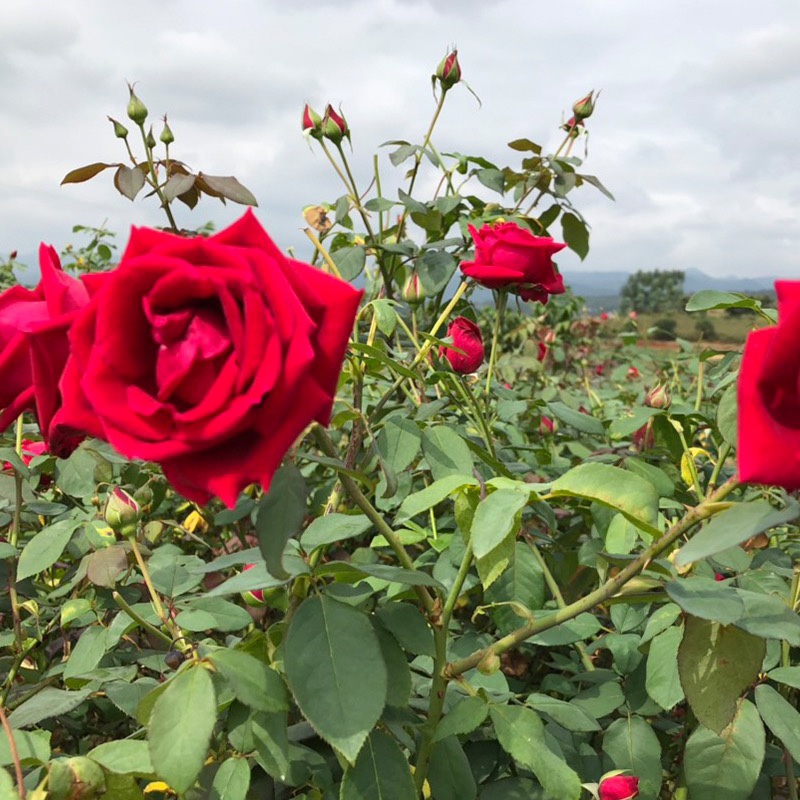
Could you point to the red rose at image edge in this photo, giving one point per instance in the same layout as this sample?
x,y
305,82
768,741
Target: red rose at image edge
x,y
207,356
768,448
620,787
467,337
510,257
34,344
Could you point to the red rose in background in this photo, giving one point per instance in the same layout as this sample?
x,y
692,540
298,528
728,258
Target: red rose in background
x,y
208,356
29,451
510,257
769,397
620,787
467,337
34,344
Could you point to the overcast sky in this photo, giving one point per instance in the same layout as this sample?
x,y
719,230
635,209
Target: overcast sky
x,y
695,132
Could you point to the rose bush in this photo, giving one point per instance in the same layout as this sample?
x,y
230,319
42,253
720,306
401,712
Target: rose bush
x,y
510,257
207,356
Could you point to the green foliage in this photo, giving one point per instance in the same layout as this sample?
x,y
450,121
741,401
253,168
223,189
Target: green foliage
x,y
659,290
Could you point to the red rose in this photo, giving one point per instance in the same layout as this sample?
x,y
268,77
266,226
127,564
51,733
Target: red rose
x,y
208,356
769,397
467,337
253,597
633,373
34,344
542,351
510,257
29,451
620,787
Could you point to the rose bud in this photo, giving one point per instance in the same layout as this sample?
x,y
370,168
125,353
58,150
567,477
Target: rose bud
x,y
658,397
150,140
466,337
137,110
573,127
583,108
120,131
604,317
619,787
334,126
644,438
546,425
542,351
633,373
121,512
167,137
718,576
312,122
253,597
76,778
413,291
448,73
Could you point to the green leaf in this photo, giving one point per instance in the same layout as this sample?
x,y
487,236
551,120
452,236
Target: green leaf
x,y
8,790
576,234
399,442
228,187
103,567
45,548
449,772
464,717
46,704
180,727
781,717
214,613
88,652
432,495
788,676
521,734
333,528
350,261
525,145
123,756
128,181
632,744
567,715
662,680
706,598
768,616
385,316
492,179
253,682
177,185
623,426
336,672
407,624
522,582
495,519
256,577
381,772
717,664
585,423
726,767
231,781
727,414
664,486
387,572
706,299
271,741
398,672
280,515
733,526
446,452
32,747
75,475
82,174
632,496
661,619
436,268
575,630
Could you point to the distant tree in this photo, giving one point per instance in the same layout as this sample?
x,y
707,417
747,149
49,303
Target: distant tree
x,y
659,290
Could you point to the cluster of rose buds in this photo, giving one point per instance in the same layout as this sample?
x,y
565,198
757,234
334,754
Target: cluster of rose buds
x,y
332,126
581,110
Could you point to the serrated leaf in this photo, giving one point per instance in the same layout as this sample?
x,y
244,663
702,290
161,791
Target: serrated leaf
x,y
781,717
435,268
726,767
446,452
336,672
521,734
432,495
568,715
464,717
350,261
632,745
279,517
103,567
662,680
231,781
399,442
45,548
450,773
253,682
333,528
46,704
717,664
123,757
492,179
576,234
522,583
706,598
87,653
180,727
177,185
128,181
32,747
227,186
381,772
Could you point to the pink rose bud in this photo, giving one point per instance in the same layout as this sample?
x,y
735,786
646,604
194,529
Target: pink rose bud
x,y
413,291
658,397
633,315
583,108
633,373
312,122
334,126
620,787
466,337
546,425
573,127
448,73
542,354
253,597
718,576
121,512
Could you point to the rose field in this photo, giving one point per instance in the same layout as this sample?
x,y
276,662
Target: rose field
x,y
392,516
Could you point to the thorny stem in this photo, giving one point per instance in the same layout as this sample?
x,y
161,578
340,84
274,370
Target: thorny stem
x,y
498,321
13,539
700,512
119,600
12,746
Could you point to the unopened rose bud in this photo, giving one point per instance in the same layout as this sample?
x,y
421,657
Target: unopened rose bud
x,y
658,397
137,110
413,291
120,131
167,137
542,351
583,108
121,512
644,438
76,778
546,425
312,122
150,140
448,73
466,336
573,127
619,787
633,373
253,597
334,126
12,255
